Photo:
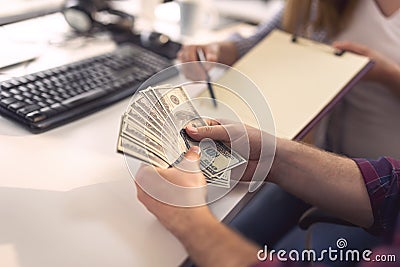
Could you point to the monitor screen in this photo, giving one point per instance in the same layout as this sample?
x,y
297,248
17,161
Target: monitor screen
x,y
17,10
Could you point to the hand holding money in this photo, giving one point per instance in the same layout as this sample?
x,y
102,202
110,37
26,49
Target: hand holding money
x,y
256,145
152,130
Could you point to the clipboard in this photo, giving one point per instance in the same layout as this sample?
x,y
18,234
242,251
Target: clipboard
x,y
301,80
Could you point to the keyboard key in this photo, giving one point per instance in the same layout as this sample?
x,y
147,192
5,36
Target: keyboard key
x,y
23,88
48,112
31,77
27,109
58,107
16,105
42,104
5,94
28,101
50,101
6,85
19,97
23,80
37,98
82,98
7,101
15,91
35,92
15,83
53,92
36,116
27,94
45,95
59,98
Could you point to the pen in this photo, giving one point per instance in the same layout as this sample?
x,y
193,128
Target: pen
x,y
201,57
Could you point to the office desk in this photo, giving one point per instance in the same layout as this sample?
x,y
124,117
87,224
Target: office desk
x,y
67,199
66,196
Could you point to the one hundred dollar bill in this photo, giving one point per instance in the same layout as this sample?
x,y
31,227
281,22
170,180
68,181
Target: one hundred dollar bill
x,y
215,157
152,130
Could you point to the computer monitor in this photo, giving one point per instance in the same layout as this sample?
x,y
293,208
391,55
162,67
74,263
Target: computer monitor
x,y
17,10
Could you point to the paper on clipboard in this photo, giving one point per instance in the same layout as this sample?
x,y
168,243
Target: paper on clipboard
x,y
300,80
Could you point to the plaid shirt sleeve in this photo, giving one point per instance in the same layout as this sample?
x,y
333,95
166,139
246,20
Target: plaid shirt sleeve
x,y
381,178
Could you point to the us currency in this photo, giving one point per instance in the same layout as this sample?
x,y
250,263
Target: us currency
x,y
151,131
221,180
127,147
152,113
216,157
147,121
163,150
151,95
153,109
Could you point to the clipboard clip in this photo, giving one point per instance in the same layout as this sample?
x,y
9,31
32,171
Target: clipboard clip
x,y
338,53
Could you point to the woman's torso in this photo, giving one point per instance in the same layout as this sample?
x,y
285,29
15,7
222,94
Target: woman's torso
x,y
367,122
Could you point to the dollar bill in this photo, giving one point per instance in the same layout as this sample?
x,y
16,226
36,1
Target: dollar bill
x,y
127,147
147,121
153,108
152,130
149,110
215,157
164,151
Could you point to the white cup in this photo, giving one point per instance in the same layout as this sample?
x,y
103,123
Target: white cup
x,y
191,16
196,15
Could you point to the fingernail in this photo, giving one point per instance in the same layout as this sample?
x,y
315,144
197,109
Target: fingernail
x,y
195,149
192,129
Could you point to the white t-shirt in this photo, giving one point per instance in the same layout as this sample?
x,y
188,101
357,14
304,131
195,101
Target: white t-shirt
x,y
367,122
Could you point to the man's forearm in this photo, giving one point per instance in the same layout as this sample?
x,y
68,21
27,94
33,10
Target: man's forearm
x,y
325,180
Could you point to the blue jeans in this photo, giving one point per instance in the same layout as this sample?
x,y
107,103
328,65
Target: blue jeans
x,y
271,217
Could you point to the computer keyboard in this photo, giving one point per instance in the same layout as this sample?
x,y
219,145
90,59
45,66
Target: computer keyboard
x,y
50,98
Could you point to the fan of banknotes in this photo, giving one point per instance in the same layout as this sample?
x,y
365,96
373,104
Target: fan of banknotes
x,y
152,130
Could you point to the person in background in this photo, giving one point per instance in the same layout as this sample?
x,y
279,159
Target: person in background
x,y
364,124
366,27
352,189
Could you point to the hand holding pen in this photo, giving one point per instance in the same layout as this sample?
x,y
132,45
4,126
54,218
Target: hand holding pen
x,y
201,58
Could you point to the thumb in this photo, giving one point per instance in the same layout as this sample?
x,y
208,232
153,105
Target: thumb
x,y
191,161
215,132
352,47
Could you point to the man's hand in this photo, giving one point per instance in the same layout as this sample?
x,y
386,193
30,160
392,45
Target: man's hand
x,y
208,242
185,184
385,71
256,146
